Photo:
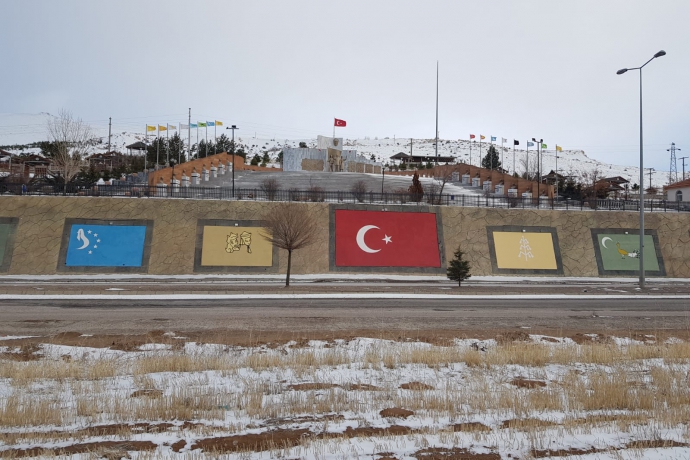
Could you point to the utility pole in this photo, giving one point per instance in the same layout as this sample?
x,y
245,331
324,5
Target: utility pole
x,y
683,160
189,134
436,112
673,169
650,177
110,124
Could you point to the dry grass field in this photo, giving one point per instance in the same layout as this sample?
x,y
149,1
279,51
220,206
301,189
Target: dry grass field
x,y
516,396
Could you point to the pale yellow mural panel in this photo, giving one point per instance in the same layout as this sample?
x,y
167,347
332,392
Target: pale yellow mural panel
x,y
525,250
224,246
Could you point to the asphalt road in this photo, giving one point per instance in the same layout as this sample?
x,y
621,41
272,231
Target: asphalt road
x,y
315,317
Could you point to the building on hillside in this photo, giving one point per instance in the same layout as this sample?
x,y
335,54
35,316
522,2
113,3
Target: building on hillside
x,y
680,191
612,186
328,156
419,160
107,161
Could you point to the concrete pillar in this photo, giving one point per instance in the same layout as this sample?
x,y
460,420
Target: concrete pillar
x,y
185,179
204,173
221,168
195,177
161,188
175,185
214,170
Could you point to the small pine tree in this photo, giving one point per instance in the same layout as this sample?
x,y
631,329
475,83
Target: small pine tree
x,y
491,160
416,190
458,268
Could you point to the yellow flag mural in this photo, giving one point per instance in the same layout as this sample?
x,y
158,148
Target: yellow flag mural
x,y
525,250
229,246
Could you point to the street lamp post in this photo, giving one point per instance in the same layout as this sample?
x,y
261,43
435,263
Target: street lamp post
x,y
383,175
641,254
233,128
539,143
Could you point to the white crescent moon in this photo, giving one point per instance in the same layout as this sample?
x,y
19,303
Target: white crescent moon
x,y
603,241
360,239
81,237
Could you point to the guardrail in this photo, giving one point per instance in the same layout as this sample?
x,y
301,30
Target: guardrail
x,y
316,194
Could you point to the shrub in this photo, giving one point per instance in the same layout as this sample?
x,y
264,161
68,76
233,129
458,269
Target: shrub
x,y
270,187
359,189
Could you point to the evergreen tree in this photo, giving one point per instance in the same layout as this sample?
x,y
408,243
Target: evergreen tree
x,y
458,268
490,160
256,159
177,148
157,150
416,190
265,159
223,144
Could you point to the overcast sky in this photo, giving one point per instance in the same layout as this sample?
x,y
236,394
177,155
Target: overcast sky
x,y
514,69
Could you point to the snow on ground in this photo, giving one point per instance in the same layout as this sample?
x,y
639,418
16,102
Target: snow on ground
x,y
28,128
520,403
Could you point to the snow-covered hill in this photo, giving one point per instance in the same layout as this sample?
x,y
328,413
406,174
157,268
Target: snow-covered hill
x,y
23,129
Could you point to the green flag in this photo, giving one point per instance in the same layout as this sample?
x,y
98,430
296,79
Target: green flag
x,y
201,124
543,146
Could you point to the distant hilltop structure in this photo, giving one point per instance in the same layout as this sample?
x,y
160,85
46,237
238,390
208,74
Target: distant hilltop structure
x,y
328,156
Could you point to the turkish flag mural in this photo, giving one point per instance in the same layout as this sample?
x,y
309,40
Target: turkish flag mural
x,y
386,239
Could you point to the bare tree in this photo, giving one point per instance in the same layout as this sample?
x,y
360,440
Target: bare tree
x,y
72,138
530,168
290,226
442,174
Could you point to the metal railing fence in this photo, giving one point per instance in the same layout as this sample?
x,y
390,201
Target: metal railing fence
x,y
316,194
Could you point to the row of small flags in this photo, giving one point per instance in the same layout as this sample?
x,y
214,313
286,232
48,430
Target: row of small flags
x,y
198,124
515,142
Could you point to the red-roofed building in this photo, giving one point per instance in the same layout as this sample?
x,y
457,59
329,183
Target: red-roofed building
x,y
680,191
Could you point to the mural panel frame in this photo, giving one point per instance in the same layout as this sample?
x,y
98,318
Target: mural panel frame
x,y
626,231
393,208
6,260
199,241
524,229
64,245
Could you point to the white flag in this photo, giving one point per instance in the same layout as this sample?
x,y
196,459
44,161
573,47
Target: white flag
x,y
503,139
183,126
172,127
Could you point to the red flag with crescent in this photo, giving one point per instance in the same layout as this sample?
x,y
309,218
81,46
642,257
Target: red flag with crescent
x,y
386,239
340,123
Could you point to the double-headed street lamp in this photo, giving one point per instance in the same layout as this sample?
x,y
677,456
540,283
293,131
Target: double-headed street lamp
x,y
641,254
233,127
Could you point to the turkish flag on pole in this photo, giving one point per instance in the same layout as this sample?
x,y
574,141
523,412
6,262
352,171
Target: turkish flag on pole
x,y
386,239
340,123
471,136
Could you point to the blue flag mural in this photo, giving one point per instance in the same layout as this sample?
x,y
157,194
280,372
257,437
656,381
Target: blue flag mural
x,y
106,245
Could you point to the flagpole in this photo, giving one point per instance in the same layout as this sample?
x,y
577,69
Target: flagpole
x,y
215,140
158,146
167,143
206,147
146,141
189,134
502,151
513,156
179,151
527,164
470,152
333,127
480,150
556,171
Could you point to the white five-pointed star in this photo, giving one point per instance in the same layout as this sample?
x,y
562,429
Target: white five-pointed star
x,y
89,252
89,232
387,239
95,246
95,234
98,241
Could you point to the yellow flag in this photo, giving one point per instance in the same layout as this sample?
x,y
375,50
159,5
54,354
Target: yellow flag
x,y
559,148
162,128
219,123
150,128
